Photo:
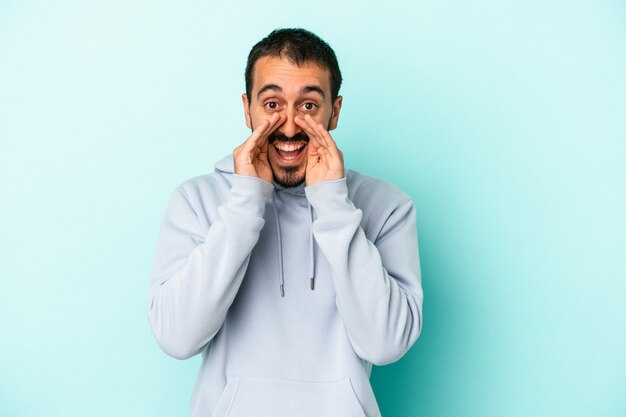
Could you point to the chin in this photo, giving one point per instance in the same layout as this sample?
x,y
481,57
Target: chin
x,y
289,177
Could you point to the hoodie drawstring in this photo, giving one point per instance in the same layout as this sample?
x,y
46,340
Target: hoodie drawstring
x,y
280,248
311,251
279,244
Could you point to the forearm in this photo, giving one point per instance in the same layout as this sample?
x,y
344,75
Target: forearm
x,y
193,285
378,290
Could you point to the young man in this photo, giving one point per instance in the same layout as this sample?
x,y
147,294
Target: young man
x,y
290,274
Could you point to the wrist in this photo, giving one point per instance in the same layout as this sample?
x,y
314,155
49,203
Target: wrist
x,y
248,194
329,197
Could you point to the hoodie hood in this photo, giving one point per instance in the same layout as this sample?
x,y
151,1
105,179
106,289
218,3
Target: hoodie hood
x,y
227,166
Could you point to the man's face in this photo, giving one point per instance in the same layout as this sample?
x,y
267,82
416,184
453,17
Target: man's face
x,y
291,90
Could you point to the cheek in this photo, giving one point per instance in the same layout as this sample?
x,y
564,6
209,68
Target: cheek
x,y
324,118
258,115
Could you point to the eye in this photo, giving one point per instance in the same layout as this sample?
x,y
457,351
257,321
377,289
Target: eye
x,y
271,105
309,106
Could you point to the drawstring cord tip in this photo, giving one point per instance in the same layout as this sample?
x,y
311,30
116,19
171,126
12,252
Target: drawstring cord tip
x,y
282,290
312,283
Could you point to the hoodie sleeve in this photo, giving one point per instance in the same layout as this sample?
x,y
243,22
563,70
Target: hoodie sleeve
x,y
377,284
196,276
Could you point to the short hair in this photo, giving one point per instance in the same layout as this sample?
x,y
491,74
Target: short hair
x,y
299,46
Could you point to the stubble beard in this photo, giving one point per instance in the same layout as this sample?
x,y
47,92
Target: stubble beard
x,y
288,176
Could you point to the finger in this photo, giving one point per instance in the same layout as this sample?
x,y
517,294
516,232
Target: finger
x,y
310,130
326,148
259,135
253,139
275,123
324,135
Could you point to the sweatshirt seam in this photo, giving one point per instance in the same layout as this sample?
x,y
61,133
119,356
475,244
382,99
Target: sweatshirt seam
x,y
187,198
268,378
407,202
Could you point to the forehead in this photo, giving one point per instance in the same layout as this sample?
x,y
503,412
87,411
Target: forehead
x,y
289,76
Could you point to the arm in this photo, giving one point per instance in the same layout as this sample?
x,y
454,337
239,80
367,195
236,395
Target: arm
x,y
378,286
195,277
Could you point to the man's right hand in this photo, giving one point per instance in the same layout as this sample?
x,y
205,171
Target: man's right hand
x,y
251,156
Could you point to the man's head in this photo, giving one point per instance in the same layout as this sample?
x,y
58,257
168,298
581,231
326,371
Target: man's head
x,y
299,46
292,72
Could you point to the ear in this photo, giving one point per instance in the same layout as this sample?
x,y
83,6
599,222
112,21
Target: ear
x,y
246,110
334,117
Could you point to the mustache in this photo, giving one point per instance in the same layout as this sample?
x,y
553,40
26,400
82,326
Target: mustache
x,y
277,136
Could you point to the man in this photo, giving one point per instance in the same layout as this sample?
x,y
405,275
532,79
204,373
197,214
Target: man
x,y
290,274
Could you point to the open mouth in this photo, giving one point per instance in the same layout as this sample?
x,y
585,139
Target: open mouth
x,y
289,151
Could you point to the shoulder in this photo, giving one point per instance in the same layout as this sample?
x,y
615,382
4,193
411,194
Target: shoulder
x,y
218,181
382,203
367,191
212,188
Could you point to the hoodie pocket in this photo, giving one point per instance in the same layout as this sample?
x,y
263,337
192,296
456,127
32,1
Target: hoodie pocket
x,y
259,397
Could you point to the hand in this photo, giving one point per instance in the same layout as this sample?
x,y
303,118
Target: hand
x,y
251,156
324,159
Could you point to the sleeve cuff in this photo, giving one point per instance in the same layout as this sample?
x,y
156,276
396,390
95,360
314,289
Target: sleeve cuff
x,y
329,197
249,194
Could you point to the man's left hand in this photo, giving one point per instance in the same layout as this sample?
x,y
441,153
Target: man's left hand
x,y
324,159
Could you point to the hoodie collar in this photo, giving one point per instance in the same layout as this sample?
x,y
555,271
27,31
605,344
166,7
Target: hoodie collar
x,y
227,165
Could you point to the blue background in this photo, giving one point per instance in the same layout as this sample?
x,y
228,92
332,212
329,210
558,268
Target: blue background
x,y
505,121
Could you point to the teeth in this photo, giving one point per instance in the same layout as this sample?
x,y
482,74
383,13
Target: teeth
x,y
289,147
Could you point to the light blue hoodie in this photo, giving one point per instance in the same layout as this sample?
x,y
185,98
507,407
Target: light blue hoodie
x,y
232,279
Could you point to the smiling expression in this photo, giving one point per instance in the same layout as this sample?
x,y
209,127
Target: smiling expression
x,y
291,90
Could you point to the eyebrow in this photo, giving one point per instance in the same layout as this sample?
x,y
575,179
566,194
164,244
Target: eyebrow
x,y
314,88
268,87
304,90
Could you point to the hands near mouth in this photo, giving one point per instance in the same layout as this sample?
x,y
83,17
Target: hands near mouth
x,y
251,156
324,159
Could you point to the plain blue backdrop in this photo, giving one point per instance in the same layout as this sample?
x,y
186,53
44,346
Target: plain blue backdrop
x,y
504,120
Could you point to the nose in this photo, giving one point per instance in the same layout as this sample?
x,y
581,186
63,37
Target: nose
x,y
289,128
